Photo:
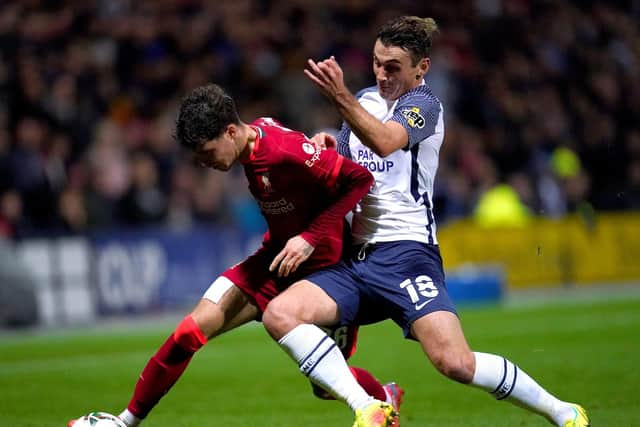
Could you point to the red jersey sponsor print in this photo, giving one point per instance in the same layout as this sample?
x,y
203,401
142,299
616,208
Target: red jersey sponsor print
x,y
293,179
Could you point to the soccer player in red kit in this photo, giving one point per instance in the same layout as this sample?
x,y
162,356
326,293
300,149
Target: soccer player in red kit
x,y
304,192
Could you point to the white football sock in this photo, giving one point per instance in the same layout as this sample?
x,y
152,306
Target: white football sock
x,y
504,380
320,359
129,419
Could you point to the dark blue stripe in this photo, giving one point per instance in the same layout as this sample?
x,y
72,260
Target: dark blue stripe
x,y
414,190
504,376
427,204
513,384
414,172
320,359
326,337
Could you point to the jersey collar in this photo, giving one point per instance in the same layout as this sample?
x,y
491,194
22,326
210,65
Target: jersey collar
x,y
256,144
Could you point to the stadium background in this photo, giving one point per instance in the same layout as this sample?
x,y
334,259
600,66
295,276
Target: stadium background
x,y
542,96
101,214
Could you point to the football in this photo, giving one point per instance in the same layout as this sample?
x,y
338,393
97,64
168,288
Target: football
x,y
98,419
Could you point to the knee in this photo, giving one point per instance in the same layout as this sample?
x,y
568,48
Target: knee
x,y
280,317
456,366
189,335
207,318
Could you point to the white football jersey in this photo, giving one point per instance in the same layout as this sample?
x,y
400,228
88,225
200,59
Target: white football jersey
x,y
399,205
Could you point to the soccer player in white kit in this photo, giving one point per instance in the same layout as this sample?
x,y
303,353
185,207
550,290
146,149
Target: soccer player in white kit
x,y
395,129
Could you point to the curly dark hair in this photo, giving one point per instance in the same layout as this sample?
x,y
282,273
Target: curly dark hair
x,y
411,33
204,114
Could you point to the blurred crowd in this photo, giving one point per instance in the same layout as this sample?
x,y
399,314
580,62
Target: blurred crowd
x,y
541,99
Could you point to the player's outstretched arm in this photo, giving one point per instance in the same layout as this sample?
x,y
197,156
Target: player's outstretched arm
x,y
382,138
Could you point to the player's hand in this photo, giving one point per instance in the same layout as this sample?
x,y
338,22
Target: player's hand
x,y
295,252
325,140
327,75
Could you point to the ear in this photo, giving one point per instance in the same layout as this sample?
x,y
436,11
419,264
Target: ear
x,y
424,65
231,130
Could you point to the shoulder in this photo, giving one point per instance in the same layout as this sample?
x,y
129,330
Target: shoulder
x,y
420,112
272,130
289,145
419,107
268,123
276,142
421,96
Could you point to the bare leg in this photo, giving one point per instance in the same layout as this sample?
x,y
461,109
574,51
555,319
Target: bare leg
x,y
443,341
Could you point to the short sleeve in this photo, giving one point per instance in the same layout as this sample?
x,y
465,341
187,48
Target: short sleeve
x,y
418,111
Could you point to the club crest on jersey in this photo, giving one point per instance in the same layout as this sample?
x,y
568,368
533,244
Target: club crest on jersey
x,y
265,183
414,118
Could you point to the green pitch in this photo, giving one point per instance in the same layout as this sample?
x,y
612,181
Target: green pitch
x,y
584,351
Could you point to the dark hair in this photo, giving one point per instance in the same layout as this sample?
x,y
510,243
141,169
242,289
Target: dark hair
x,y
204,114
411,33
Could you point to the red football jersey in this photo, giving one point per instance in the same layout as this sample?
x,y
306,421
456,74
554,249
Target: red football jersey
x,y
293,180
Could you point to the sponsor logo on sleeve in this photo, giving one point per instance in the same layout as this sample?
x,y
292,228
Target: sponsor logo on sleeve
x,y
312,149
414,118
308,148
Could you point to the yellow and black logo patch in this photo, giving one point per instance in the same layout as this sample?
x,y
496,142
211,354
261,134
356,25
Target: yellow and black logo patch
x,y
414,118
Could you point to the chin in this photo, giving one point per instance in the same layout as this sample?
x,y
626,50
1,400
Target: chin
x,y
387,94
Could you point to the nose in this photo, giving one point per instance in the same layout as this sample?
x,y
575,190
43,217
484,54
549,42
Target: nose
x,y
379,73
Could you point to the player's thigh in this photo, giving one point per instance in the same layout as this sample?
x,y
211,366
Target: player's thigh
x,y
442,339
307,303
340,286
223,307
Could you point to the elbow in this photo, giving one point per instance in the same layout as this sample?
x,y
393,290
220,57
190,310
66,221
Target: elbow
x,y
380,149
383,151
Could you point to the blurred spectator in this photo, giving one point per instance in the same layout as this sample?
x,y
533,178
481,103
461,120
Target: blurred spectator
x,y
108,176
6,176
210,201
144,202
28,166
88,94
12,222
72,212
180,206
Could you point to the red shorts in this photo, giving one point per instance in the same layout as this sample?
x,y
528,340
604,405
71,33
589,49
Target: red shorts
x,y
253,277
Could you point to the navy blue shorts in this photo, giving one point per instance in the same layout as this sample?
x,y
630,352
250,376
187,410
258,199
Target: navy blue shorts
x,y
402,281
